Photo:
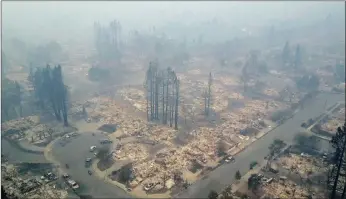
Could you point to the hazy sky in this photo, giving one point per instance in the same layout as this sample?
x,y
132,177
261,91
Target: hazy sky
x,y
31,18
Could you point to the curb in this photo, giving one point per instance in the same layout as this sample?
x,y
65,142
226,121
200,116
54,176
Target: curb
x,y
20,147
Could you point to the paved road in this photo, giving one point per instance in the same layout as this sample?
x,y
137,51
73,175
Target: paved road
x,y
224,175
15,155
74,154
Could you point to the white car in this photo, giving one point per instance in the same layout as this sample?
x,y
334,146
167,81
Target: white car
x,y
92,148
229,159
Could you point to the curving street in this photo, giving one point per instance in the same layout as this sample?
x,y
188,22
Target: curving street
x,y
74,154
224,175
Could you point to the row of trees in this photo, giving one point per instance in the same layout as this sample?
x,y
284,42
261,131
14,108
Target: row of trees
x,y
50,90
162,95
107,40
11,99
337,174
290,59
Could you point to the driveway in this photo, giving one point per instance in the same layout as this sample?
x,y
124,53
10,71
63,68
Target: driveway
x,y
74,154
224,175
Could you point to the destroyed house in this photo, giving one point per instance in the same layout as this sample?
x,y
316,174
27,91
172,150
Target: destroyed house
x,y
249,131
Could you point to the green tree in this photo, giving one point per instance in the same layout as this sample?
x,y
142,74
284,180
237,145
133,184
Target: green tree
x,y
125,173
213,195
11,98
238,175
254,182
253,164
274,148
103,153
227,193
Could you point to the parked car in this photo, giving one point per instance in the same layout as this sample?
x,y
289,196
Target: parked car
x,y
105,141
88,160
148,186
73,184
92,148
229,159
65,175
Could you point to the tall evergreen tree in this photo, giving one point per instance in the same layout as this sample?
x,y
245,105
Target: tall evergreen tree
x,y
297,57
49,87
286,54
337,173
207,96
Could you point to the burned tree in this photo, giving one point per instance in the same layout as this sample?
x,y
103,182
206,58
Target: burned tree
x,y
298,57
107,40
336,178
207,96
286,54
162,85
245,77
49,87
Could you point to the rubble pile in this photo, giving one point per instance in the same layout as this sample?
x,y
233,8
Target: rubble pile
x,y
135,96
205,142
27,186
334,121
271,92
132,151
285,189
48,192
300,164
229,81
236,95
146,169
14,127
167,162
109,113
38,132
194,72
331,125
219,98
246,117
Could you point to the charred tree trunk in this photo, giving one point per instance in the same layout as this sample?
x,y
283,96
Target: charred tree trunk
x,y
64,106
163,99
205,102
157,82
167,100
176,105
171,106
152,96
147,86
344,191
339,143
209,93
